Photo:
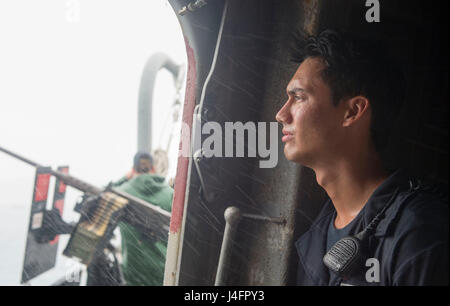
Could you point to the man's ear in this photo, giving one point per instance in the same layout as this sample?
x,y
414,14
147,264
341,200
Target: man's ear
x,y
355,109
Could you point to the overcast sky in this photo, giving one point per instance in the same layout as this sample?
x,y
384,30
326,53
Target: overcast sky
x,y
69,81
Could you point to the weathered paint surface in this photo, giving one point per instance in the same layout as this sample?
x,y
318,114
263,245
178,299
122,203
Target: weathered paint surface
x,y
183,162
173,246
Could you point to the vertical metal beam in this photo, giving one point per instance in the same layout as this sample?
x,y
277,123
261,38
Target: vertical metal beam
x,y
311,15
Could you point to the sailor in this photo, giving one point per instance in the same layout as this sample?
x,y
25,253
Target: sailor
x,y
143,256
343,101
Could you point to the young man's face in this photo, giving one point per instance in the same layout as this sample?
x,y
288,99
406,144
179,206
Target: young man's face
x,y
311,123
145,166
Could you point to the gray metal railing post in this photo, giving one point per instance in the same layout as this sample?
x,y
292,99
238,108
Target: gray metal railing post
x,y
232,217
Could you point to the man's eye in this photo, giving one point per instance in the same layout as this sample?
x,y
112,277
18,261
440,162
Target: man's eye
x,y
299,98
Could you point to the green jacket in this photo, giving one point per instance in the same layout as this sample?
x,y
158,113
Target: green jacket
x,y
142,260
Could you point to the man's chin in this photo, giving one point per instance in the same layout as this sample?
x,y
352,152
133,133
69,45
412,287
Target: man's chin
x,y
295,156
290,154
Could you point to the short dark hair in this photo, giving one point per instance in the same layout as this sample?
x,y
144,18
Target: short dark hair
x,y
358,67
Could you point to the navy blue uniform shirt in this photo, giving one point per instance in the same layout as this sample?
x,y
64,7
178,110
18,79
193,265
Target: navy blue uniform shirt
x,y
334,234
410,243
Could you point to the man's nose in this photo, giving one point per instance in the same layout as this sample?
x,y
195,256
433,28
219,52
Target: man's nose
x,y
283,114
